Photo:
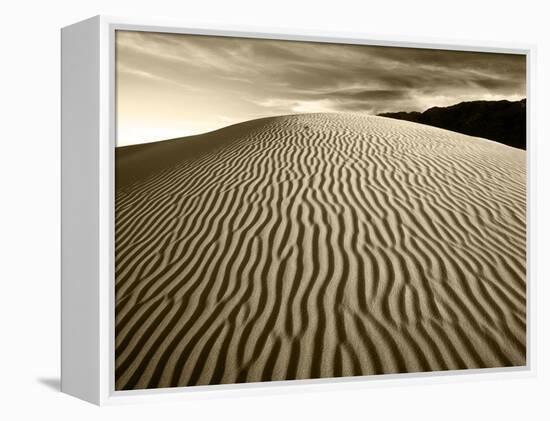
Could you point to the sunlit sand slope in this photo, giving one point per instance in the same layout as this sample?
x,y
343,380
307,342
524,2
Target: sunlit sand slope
x,y
318,245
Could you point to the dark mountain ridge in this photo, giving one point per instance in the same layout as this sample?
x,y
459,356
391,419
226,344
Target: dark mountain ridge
x,y
501,121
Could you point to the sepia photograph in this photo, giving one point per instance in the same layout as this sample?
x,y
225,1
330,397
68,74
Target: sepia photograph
x,y
290,210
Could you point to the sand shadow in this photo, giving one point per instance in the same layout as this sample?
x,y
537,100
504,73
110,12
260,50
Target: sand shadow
x,y
53,383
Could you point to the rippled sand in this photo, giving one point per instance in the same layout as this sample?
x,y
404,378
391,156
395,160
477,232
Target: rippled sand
x,y
318,245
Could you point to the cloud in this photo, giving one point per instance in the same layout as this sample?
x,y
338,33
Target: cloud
x,y
300,105
369,94
242,78
124,70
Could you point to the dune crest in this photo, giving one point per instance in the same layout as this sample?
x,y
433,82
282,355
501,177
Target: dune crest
x,y
318,245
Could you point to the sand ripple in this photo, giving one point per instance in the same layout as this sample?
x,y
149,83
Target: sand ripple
x,y
318,245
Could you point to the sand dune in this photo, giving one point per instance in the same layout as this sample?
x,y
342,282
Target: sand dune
x,y
318,245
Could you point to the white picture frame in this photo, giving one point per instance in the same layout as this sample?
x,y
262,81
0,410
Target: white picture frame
x,y
88,142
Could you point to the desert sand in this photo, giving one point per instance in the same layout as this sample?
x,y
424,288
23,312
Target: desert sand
x,y
318,245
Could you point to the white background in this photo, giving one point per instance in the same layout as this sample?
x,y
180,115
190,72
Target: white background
x,y
29,207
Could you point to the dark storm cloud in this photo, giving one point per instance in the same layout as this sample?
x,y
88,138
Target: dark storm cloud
x,y
239,79
369,94
496,84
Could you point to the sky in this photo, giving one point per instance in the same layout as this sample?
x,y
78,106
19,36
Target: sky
x,y
173,85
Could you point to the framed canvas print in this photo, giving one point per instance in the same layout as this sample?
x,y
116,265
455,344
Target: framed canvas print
x,y
245,209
